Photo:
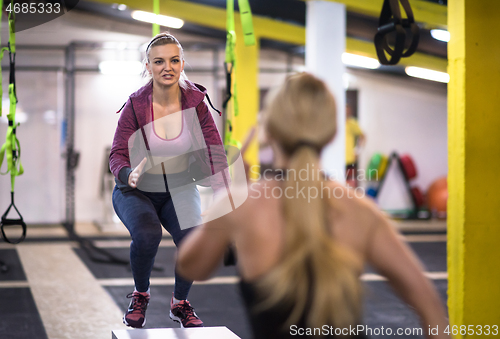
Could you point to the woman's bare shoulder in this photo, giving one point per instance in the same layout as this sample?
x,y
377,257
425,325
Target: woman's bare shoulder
x,y
239,201
354,203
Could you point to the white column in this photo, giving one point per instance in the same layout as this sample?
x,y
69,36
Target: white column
x,y
325,43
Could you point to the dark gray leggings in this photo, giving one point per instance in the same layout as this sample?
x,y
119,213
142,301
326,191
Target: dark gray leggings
x,y
143,213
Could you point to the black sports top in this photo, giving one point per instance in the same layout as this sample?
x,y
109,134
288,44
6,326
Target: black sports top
x,y
269,324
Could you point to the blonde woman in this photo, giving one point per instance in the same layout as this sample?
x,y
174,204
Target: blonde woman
x,y
159,148
300,254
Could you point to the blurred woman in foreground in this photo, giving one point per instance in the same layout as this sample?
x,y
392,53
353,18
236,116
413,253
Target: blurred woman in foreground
x,y
301,253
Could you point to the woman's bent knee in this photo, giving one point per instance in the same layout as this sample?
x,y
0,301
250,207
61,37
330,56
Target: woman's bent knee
x,y
147,238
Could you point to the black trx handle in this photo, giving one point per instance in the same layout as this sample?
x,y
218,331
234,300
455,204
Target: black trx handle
x,y
229,70
12,222
12,71
391,21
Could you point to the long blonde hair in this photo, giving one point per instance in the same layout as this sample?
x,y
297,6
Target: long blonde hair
x,y
315,276
161,39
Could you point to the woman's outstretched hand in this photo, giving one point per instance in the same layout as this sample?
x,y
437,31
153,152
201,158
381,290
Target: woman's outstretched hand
x,y
133,178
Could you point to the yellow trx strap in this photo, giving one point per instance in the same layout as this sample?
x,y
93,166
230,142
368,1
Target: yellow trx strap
x,y
230,62
156,10
11,149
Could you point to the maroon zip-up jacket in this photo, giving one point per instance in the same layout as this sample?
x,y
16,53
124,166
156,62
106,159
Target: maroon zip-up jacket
x,y
208,160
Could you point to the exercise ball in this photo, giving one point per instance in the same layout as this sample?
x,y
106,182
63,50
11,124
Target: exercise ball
x,y
382,167
418,195
371,192
373,166
437,197
409,168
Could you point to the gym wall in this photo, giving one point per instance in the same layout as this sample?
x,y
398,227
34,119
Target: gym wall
x,y
407,116
396,113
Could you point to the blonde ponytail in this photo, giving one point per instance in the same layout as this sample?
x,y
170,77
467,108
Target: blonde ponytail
x,y
316,277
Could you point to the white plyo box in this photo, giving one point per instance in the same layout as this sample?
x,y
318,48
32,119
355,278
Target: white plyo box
x,y
217,332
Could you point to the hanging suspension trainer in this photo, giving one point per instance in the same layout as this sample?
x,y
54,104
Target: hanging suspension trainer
x,y
230,63
391,21
230,104
11,149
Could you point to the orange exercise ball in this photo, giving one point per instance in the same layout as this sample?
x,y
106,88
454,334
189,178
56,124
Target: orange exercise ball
x,y
437,197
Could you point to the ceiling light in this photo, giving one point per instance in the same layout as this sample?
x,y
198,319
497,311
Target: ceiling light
x,y
161,20
120,7
440,34
115,67
427,74
359,61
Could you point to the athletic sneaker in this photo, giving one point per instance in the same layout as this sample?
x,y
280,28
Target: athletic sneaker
x,y
184,314
136,312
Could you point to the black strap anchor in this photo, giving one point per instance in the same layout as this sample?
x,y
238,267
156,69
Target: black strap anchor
x,y
7,222
391,21
228,70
